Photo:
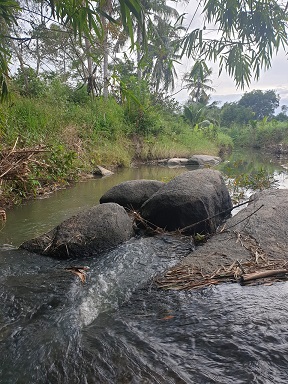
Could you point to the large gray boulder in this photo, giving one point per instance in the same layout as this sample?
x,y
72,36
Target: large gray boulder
x,y
188,199
88,233
132,194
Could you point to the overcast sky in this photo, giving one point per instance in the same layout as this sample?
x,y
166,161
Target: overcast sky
x,y
275,78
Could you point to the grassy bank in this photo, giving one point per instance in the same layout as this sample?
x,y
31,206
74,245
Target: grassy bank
x,y
77,134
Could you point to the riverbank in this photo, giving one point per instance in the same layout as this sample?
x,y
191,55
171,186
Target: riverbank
x,y
65,140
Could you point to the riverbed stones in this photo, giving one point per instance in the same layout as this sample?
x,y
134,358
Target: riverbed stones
x,y
197,199
194,161
177,162
132,194
88,233
204,160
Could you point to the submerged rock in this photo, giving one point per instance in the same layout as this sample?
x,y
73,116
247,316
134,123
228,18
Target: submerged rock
x,y
188,199
132,194
88,233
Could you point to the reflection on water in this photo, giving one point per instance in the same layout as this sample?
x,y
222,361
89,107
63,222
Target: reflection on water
x,y
245,162
38,216
117,328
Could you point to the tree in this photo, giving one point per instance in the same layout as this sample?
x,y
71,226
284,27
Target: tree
x,y
83,17
154,10
197,82
233,113
245,34
282,116
162,54
8,9
261,103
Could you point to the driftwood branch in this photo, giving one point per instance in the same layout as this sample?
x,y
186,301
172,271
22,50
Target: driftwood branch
x,y
188,277
260,275
245,218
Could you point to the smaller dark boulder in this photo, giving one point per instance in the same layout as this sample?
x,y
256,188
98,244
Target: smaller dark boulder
x,y
132,194
88,233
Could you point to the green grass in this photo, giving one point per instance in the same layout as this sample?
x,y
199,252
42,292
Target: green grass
x,y
81,135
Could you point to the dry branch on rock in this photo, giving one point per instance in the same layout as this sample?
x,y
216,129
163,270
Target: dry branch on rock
x,y
188,277
259,268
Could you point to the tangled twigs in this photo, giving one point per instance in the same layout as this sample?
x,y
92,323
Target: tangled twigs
x,y
188,277
146,224
248,242
155,229
14,163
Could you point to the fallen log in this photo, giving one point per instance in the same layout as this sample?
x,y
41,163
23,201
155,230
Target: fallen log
x,y
260,275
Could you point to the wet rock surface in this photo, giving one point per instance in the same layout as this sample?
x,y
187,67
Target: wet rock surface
x,y
89,233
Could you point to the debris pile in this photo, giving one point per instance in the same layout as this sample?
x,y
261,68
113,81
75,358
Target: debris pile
x,y
14,163
258,269
187,277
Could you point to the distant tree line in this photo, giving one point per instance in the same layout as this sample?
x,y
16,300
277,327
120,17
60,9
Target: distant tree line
x,y
252,106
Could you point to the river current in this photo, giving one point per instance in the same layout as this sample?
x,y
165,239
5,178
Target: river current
x,y
117,327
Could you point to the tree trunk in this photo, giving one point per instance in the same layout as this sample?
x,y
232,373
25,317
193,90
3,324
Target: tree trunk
x,y
139,44
105,64
89,69
107,7
22,64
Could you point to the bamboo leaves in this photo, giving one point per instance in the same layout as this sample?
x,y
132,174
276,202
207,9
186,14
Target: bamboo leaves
x,y
247,35
8,9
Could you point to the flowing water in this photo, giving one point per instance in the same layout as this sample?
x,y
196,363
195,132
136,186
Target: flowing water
x,y
117,328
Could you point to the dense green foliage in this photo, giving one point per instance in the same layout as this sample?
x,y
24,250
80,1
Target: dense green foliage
x,y
251,122
259,134
263,104
86,104
80,132
249,33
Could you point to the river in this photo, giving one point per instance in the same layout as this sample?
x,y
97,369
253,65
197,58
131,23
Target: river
x,y
117,328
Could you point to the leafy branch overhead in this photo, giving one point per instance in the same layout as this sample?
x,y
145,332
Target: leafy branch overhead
x,y
246,36
241,35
